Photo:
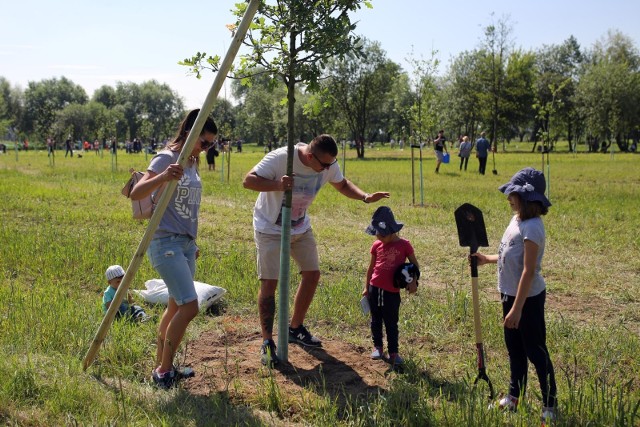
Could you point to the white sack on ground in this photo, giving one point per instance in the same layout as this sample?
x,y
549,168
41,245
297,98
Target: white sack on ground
x,y
157,293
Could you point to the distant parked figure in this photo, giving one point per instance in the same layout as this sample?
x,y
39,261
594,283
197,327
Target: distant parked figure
x,y
482,152
49,147
212,153
69,147
440,147
465,151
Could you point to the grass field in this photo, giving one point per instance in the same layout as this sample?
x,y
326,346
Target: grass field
x,y
64,221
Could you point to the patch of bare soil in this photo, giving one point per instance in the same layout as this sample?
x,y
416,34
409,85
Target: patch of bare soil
x,y
227,360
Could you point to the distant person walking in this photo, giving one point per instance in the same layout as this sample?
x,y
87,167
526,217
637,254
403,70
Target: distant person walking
x,y
465,152
440,147
482,152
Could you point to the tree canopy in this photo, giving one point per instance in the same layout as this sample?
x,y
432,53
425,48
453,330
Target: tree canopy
x,y
309,73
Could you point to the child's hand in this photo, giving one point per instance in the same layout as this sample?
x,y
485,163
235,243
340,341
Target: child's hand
x,y
365,291
482,258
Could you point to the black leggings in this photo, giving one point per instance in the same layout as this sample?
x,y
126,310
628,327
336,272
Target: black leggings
x,y
483,164
464,161
528,342
385,308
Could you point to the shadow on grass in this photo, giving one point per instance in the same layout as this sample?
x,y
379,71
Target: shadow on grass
x,y
180,407
213,410
332,377
437,387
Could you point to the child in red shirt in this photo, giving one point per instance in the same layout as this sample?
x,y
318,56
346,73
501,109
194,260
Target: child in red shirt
x,y
388,253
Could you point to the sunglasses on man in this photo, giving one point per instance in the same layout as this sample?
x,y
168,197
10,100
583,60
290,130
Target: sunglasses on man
x,y
323,164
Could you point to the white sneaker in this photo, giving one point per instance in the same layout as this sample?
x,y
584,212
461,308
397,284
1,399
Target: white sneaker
x,y
507,403
548,415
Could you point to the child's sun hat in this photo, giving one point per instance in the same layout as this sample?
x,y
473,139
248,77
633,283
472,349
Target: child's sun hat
x,y
383,222
529,184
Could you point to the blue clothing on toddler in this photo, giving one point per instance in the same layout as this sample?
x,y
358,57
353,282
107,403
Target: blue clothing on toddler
x,y
134,312
108,296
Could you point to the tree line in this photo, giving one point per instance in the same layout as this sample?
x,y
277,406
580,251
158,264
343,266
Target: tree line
x,y
587,96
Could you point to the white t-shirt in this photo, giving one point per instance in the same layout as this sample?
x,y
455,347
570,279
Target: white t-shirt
x,y
267,212
511,255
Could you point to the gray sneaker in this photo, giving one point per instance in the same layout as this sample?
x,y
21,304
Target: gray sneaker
x,y
183,372
268,354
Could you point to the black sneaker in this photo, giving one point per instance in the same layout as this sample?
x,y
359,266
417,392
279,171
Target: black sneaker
x,y
164,381
268,353
300,335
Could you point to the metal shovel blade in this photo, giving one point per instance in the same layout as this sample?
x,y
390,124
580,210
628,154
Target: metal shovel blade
x,y
471,229
472,233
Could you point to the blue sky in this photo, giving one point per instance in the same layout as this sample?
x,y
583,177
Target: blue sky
x,y
96,43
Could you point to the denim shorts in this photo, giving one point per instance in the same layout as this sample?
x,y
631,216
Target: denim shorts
x,y
174,258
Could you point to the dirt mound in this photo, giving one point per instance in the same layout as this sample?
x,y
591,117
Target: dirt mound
x,y
227,360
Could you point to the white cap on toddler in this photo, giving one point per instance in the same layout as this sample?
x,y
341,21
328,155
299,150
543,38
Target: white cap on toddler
x,y
114,271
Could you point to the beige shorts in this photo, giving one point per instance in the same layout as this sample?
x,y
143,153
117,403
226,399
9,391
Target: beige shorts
x,y
303,251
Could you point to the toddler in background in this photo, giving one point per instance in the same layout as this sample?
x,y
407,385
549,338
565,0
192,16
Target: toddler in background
x,y
114,274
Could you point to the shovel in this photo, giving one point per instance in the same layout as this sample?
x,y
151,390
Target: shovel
x,y
493,153
472,233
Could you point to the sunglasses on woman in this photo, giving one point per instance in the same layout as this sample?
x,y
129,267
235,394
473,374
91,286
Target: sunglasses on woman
x,y
204,144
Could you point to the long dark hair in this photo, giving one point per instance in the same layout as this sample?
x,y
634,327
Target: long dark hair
x,y
185,126
530,209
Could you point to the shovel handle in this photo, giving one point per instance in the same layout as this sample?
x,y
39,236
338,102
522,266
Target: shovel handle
x,y
473,262
474,294
476,310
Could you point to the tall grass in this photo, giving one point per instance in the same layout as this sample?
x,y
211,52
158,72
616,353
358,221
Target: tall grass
x,y
63,225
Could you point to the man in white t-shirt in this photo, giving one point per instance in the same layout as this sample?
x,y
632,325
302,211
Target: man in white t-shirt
x,y
314,165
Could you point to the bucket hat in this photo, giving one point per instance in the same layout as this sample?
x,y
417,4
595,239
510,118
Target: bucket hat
x,y
383,222
530,184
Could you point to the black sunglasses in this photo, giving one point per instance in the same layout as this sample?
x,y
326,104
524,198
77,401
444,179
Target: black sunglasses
x,y
204,144
323,164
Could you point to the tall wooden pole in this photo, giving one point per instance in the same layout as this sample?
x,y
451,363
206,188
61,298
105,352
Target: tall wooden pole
x,y
193,136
